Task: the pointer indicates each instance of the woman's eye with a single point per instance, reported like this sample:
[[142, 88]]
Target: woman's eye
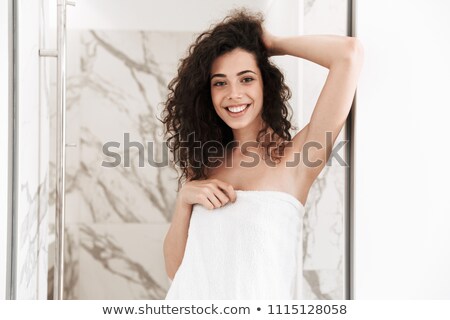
[[219, 84], [247, 79]]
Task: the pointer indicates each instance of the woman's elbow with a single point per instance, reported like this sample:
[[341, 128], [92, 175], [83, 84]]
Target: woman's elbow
[[355, 51]]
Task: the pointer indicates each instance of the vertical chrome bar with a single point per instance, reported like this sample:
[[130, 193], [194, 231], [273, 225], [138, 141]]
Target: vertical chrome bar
[[58, 288], [60, 53], [12, 74], [350, 235]]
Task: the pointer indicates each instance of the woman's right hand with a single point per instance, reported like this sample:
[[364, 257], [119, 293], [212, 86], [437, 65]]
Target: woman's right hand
[[211, 193]]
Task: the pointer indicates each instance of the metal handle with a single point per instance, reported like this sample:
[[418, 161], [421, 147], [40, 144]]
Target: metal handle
[[60, 54], [48, 53]]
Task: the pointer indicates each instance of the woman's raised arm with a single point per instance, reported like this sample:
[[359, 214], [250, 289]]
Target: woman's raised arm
[[343, 56]]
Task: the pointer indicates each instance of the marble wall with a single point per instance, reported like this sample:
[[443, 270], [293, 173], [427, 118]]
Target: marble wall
[[117, 217], [30, 233]]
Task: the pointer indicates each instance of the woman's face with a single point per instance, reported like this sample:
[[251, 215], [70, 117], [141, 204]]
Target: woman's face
[[237, 89]]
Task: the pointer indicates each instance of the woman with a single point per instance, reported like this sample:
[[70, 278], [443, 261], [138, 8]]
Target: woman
[[242, 199]]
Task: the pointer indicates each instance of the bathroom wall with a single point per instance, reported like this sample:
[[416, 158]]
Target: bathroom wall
[[117, 217], [118, 68], [401, 204], [29, 259]]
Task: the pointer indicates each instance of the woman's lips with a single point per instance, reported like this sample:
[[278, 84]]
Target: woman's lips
[[238, 114]]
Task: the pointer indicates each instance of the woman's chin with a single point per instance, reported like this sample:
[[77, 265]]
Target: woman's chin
[[236, 125]]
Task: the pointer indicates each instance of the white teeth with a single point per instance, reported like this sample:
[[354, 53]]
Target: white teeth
[[237, 109]]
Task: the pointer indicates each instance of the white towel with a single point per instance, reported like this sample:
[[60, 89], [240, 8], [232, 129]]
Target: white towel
[[250, 249]]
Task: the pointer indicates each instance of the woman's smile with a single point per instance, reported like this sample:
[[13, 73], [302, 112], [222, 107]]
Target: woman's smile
[[237, 110]]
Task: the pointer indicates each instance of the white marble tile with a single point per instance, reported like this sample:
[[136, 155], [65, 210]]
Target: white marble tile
[[32, 172], [116, 81], [122, 75], [44, 145], [122, 261]]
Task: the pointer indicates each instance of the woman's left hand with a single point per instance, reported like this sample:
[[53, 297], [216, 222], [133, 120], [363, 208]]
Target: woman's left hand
[[269, 42]]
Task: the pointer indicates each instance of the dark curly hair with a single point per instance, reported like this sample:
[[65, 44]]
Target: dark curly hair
[[189, 111]]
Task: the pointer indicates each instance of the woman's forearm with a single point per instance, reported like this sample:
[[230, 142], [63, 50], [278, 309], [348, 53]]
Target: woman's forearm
[[324, 50], [176, 238]]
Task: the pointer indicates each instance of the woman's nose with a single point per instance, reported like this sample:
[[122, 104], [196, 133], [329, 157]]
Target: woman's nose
[[235, 92]]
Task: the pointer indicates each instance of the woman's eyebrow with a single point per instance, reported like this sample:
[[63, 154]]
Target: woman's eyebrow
[[224, 76]]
